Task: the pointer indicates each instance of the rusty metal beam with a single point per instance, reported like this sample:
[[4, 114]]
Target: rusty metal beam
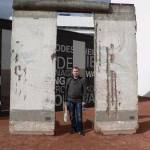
[[61, 5]]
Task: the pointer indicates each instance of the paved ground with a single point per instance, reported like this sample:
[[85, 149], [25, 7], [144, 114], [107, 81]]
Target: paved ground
[[91, 141]]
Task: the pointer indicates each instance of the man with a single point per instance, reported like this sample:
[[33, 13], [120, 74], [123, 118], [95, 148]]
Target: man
[[75, 96]]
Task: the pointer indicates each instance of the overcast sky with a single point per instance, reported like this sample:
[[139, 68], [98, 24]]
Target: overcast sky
[[5, 8], [143, 32]]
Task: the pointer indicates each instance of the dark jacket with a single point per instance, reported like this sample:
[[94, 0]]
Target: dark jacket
[[75, 89]]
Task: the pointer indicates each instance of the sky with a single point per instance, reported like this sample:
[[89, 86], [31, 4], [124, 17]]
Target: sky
[[143, 32], [5, 8]]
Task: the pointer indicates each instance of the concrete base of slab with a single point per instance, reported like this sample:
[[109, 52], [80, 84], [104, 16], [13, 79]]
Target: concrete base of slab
[[116, 132], [32, 128], [116, 127], [32, 133]]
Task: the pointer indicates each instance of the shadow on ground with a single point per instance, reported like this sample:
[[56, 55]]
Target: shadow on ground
[[63, 129]]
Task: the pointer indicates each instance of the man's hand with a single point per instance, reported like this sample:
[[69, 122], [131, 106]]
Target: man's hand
[[65, 112], [83, 104]]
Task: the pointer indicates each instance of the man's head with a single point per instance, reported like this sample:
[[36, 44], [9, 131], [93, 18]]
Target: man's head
[[75, 71]]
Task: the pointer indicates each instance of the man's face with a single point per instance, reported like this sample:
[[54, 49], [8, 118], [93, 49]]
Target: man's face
[[75, 72]]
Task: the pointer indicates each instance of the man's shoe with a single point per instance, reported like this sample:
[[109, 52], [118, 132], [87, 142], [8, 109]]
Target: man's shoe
[[81, 133], [72, 131]]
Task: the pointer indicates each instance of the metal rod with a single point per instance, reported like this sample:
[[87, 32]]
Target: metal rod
[[112, 87], [108, 82], [61, 5], [116, 96], [99, 56]]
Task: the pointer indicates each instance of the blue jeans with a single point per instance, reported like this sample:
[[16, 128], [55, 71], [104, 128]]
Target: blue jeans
[[75, 112]]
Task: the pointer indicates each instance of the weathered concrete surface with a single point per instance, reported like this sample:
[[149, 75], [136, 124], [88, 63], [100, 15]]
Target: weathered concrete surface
[[62, 5], [32, 99], [116, 71]]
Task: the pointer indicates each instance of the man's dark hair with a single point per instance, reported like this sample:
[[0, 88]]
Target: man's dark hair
[[76, 67]]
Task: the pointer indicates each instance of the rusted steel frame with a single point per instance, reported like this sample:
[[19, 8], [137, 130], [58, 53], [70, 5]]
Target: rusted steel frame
[[112, 87], [116, 95], [99, 65], [108, 82]]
